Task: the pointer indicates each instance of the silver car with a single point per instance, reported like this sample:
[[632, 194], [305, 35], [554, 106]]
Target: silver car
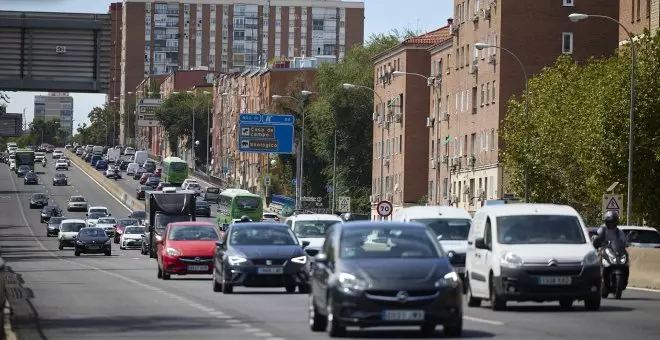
[[107, 224], [77, 203]]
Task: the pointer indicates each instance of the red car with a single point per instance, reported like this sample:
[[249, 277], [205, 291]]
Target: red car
[[121, 225], [141, 191], [158, 172], [145, 176], [186, 248]]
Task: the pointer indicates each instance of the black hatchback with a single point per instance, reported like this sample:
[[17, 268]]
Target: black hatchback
[[202, 208], [92, 240], [31, 178], [371, 274]]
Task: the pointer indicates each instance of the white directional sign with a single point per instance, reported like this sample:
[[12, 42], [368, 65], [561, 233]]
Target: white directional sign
[[612, 203], [344, 204], [384, 208]]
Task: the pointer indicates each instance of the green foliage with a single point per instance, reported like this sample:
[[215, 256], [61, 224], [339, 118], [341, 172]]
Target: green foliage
[[41, 131], [175, 115], [99, 131], [4, 100], [575, 140]]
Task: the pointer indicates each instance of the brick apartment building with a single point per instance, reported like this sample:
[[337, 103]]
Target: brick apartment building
[[400, 165], [160, 37], [249, 91], [638, 15]]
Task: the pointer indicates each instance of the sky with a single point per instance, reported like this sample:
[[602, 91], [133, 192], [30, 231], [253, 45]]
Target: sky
[[381, 16]]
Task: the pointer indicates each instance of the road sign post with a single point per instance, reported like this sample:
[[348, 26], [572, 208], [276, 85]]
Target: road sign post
[[266, 133], [344, 204], [612, 203], [384, 209]]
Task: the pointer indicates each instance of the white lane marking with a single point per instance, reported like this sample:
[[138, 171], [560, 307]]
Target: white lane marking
[[224, 317], [480, 320], [645, 289], [264, 334], [102, 187], [252, 330], [241, 325], [216, 313], [275, 339], [119, 276]]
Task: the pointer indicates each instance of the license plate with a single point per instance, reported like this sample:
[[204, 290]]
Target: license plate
[[270, 270], [403, 315], [94, 247], [555, 280], [198, 268], [460, 270]]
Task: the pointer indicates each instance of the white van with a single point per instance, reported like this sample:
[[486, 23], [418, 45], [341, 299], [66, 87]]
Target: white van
[[531, 252], [140, 157], [129, 151], [132, 168], [450, 224], [312, 228]]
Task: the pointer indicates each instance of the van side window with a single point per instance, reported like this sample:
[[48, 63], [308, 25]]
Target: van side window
[[488, 234]]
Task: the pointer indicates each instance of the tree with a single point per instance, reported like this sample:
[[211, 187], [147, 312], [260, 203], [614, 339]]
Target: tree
[[575, 140], [100, 130], [4, 100], [47, 131]]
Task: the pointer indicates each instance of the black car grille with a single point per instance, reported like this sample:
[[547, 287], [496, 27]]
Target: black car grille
[[393, 293], [312, 252], [202, 259], [262, 262], [554, 272]]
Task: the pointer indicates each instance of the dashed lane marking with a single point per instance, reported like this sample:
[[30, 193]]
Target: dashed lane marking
[[264, 334], [480, 320], [645, 289]]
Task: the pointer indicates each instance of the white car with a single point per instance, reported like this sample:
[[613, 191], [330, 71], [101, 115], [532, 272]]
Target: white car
[[76, 203], [132, 168], [98, 209], [66, 159], [61, 165], [270, 217], [94, 213], [69, 232], [312, 228], [131, 237], [531, 253], [12, 164], [193, 186], [186, 182], [107, 224], [57, 154], [641, 237]]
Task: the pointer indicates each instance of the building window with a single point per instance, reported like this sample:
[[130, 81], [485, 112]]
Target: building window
[[567, 43], [639, 10], [474, 100], [492, 139], [492, 97], [568, 3], [473, 144], [483, 93], [487, 93]]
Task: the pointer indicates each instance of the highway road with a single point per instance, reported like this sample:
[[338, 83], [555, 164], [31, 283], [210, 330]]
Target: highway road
[[120, 297]]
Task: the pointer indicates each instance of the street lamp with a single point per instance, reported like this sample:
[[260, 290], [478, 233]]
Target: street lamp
[[382, 138], [575, 17], [208, 131], [192, 145], [481, 46], [300, 170], [134, 118]]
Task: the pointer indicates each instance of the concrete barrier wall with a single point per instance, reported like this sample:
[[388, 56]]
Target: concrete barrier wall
[[645, 267], [108, 184]]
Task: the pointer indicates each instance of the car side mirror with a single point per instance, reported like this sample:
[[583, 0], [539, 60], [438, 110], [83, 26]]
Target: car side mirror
[[109, 214], [321, 258], [481, 244], [305, 244], [86, 214]]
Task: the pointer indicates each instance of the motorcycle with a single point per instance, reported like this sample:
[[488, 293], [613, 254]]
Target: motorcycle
[[616, 269]]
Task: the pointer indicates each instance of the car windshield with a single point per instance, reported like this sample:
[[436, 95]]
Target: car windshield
[[72, 227], [60, 175], [387, 243], [77, 199], [212, 190], [107, 220], [539, 229], [202, 204], [139, 214], [643, 236], [49, 208], [98, 210], [94, 216], [262, 236], [56, 220], [193, 233], [92, 232], [134, 230], [31, 175], [447, 229], [23, 168], [311, 229], [128, 221], [39, 196]]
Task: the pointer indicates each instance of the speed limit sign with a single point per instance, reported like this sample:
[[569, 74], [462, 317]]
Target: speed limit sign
[[384, 208]]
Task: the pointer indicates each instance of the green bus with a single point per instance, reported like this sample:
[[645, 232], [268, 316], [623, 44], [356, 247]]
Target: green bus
[[25, 157], [175, 170], [236, 203]]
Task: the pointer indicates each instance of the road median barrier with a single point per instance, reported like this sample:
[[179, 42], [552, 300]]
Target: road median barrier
[[644, 267], [110, 185]]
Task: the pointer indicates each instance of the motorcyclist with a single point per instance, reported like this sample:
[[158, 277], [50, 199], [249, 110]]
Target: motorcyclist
[[609, 231], [55, 212]]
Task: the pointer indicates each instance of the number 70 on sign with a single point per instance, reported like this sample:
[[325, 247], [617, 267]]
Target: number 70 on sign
[[384, 208]]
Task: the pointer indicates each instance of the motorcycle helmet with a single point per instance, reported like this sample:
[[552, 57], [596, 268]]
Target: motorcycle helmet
[[611, 219], [245, 219]]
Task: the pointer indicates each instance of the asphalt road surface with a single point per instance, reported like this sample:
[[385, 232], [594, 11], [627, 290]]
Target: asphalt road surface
[[118, 297]]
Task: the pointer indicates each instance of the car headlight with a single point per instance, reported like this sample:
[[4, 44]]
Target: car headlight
[[236, 260], [300, 259], [610, 255], [108, 241], [172, 252], [79, 242], [450, 279], [623, 259], [510, 260], [351, 284], [590, 259]]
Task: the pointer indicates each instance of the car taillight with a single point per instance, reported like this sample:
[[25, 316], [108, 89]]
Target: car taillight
[[277, 219]]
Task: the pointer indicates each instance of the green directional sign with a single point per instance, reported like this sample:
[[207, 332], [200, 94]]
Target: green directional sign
[[287, 211]]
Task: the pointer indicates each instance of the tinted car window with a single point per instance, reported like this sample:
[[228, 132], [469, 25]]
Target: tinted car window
[[311, 229], [387, 243], [539, 229], [77, 199], [134, 230], [94, 216], [643, 236], [261, 236], [448, 229], [93, 232], [139, 214], [72, 227], [128, 221], [193, 233], [56, 220]]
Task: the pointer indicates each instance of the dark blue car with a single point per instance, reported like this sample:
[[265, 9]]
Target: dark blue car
[[95, 159], [101, 165]]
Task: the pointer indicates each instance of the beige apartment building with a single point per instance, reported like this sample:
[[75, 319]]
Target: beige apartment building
[[400, 137], [160, 37], [467, 107], [638, 15]]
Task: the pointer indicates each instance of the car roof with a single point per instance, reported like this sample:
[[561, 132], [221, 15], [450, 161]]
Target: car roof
[[76, 196], [97, 207], [431, 211], [315, 217], [259, 225], [634, 227], [381, 224], [519, 209], [73, 220], [191, 223]]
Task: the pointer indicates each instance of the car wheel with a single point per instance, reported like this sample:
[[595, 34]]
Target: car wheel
[[122, 247], [471, 300], [160, 273], [227, 288], [217, 287], [290, 289], [427, 329], [317, 322], [108, 253], [454, 329], [592, 303], [304, 288], [496, 302], [76, 252], [166, 275], [335, 329], [566, 304], [60, 246]]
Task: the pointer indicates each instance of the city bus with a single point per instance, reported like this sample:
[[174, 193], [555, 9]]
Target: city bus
[[175, 171], [236, 203], [25, 157]]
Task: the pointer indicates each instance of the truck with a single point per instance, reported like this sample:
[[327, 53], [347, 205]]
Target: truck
[[163, 208], [113, 155]]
